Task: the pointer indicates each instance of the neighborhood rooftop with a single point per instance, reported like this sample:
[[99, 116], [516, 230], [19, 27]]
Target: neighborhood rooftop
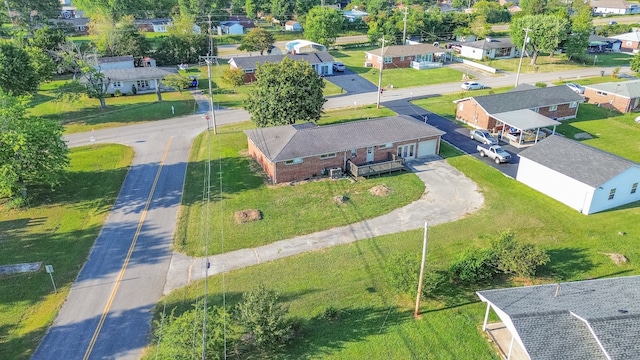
[[628, 89], [250, 62], [407, 50], [527, 99], [490, 43], [592, 319], [114, 59], [582, 162], [295, 141]]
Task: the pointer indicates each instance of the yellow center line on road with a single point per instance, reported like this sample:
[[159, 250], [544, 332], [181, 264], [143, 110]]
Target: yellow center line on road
[[105, 312]]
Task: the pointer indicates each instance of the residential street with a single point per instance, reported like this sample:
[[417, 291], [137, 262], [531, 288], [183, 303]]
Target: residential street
[[108, 311]]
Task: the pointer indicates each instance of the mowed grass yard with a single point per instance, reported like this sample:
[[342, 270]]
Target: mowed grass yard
[[57, 228], [237, 185]]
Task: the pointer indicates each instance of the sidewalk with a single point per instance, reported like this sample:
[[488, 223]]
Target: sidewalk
[[449, 195]]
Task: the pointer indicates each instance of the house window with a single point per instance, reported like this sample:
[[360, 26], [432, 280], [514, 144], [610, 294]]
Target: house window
[[388, 60], [293, 161], [553, 107], [612, 193], [573, 105], [629, 43], [328, 156], [634, 187], [601, 93], [248, 71], [536, 109], [460, 106], [142, 84], [385, 146], [401, 58], [354, 153], [117, 84]]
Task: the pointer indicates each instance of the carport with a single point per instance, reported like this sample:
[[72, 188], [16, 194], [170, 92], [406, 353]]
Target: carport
[[518, 122]]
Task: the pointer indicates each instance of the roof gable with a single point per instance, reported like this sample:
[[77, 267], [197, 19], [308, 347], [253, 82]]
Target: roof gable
[[632, 36], [527, 99], [628, 89], [577, 160], [287, 142]]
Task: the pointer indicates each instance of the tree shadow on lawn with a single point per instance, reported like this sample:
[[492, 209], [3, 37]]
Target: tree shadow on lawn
[[15, 228], [39, 99], [325, 335], [567, 263]]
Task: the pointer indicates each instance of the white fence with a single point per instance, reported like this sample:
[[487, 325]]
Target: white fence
[[419, 65], [475, 65]]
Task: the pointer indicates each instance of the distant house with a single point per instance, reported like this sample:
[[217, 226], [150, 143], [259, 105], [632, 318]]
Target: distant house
[[622, 96], [580, 176], [236, 25], [630, 41], [292, 25], [524, 108], [79, 25], [403, 56], [322, 63], [492, 48], [160, 25], [613, 7], [126, 78], [600, 44], [300, 46], [581, 320], [301, 151], [355, 14]]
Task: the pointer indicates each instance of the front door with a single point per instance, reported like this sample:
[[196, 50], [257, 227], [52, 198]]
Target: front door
[[407, 151], [370, 154]]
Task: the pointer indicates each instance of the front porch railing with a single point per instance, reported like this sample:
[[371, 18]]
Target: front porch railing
[[370, 169]]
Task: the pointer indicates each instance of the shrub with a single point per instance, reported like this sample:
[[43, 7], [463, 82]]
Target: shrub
[[517, 258], [615, 72], [134, 90], [402, 272], [264, 320], [117, 93], [541, 84], [474, 266]]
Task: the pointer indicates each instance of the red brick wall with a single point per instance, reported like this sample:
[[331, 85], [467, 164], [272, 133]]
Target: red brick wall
[[313, 165], [249, 78], [473, 114], [628, 48], [564, 111], [395, 62], [619, 103]]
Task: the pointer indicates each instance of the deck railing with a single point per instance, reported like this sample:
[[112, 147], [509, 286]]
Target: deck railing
[[365, 170]]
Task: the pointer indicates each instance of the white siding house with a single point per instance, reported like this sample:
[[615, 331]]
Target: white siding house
[[498, 48], [580, 176], [292, 25]]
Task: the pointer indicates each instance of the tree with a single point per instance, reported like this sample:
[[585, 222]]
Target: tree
[[30, 13], [635, 63], [480, 27], [581, 28], [95, 85], [545, 35], [282, 9], [18, 76], [492, 11], [516, 258], [49, 39], [257, 39], [41, 63], [264, 319], [233, 77], [176, 82], [323, 25], [250, 9], [183, 48], [284, 93], [118, 39], [32, 151]]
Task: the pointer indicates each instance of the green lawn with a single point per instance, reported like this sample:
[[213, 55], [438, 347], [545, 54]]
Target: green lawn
[[374, 320], [85, 114], [545, 63], [244, 189], [57, 228], [398, 78]]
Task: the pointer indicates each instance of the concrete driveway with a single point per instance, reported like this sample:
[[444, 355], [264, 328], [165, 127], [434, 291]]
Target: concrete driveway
[[351, 82]]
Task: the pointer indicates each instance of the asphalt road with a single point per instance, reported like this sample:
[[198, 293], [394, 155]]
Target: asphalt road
[[107, 313]]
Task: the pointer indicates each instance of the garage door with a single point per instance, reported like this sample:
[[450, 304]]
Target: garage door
[[426, 148]]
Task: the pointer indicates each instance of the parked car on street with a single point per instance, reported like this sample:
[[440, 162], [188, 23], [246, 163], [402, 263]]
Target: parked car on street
[[483, 136], [579, 89], [471, 85], [494, 152], [338, 66]]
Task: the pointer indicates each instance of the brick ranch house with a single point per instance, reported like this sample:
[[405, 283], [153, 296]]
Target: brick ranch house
[[622, 96], [321, 61], [398, 56], [483, 112], [301, 151]]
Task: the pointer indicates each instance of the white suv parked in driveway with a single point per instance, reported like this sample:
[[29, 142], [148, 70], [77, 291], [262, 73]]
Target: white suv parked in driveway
[[338, 66]]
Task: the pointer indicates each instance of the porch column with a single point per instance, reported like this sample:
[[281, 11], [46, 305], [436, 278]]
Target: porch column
[[486, 317], [510, 347]]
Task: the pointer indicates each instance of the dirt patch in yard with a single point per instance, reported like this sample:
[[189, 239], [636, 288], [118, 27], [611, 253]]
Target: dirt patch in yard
[[618, 259], [380, 190], [245, 216]]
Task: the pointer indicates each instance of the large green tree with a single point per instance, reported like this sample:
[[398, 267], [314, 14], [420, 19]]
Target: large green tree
[[94, 85], [546, 33], [118, 38], [32, 151], [284, 93], [581, 28], [17, 73], [323, 25], [257, 39], [29, 13]]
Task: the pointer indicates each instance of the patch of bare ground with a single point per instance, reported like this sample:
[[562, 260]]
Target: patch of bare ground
[[617, 259], [245, 216], [380, 190]]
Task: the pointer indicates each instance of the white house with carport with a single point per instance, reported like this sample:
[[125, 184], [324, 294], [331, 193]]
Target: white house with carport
[[322, 63], [582, 177], [582, 320], [492, 48]]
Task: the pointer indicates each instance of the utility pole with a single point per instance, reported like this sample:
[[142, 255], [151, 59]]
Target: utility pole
[[524, 44], [380, 75], [404, 30], [416, 313], [213, 114]]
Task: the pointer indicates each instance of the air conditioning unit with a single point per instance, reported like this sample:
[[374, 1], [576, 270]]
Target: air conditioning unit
[[335, 173]]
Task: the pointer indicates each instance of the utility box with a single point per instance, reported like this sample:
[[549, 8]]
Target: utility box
[[335, 173]]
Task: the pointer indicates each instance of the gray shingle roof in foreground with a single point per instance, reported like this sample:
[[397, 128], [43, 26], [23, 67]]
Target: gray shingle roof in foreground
[[628, 89], [579, 161], [298, 141], [527, 99], [575, 320], [139, 73]]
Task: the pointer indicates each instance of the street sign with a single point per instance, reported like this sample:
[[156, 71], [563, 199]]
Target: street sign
[[208, 117], [48, 268]]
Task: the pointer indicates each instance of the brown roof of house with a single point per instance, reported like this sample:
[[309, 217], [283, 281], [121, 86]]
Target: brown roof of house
[[408, 50]]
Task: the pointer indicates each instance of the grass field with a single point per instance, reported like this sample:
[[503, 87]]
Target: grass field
[[85, 114], [57, 228], [545, 63], [242, 188]]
